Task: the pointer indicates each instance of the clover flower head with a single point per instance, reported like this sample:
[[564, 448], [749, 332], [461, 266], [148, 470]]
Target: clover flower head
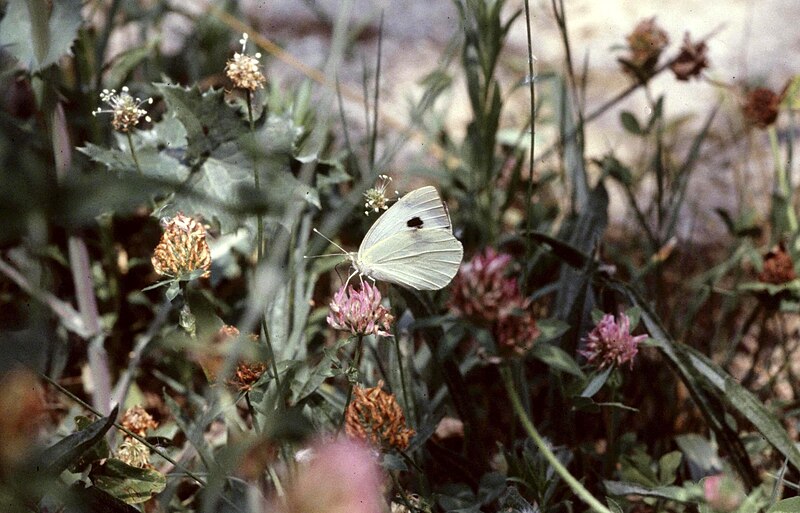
[[125, 109], [761, 107], [134, 453], [376, 199], [245, 70], [691, 61], [723, 493], [375, 416], [360, 311], [645, 45], [137, 420], [183, 249], [611, 343], [515, 329], [482, 288]]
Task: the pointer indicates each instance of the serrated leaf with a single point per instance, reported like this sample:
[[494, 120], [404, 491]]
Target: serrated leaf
[[127, 483], [58, 457], [37, 34], [208, 120]]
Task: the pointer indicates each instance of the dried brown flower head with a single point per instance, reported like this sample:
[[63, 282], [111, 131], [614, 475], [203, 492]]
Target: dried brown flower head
[[645, 45], [691, 61], [182, 250], [134, 453], [125, 109], [244, 70], [137, 420], [246, 375], [761, 107], [778, 267], [375, 416]]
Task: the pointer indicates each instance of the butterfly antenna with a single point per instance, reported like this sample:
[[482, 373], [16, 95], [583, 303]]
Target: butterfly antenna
[[329, 240]]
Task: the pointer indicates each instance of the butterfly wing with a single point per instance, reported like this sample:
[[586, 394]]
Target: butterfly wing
[[420, 209], [423, 259]]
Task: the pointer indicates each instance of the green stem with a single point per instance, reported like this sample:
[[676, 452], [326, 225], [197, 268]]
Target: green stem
[[573, 483], [357, 362], [407, 403], [133, 153], [256, 180], [252, 411], [529, 197], [273, 361]]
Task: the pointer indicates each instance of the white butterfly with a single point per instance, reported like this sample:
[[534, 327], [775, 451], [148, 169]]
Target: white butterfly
[[411, 244]]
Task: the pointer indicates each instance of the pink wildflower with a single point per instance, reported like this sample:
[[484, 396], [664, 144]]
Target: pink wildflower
[[722, 493], [611, 343], [515, 330], [360, 311], [481, 289], [342, 476]]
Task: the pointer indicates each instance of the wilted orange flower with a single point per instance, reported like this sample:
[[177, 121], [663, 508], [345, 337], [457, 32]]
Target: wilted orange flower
[[761, 107], [691, 61], [246, 375], [244, 70], [778, 267], [374, 416], [183, 249], [137, 420]]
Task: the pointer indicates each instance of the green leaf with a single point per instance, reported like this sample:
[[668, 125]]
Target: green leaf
[[208, 120], [668, 467], [701, 455], [126, 62], [791, 505], [596, 383], [127, 483], [91, 499], [58, 457], [630, 123], [556, 358], [35, 39], [675, 493], [550, 329], [98, 451]]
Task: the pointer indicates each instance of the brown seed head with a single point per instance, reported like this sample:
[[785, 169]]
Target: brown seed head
[[183, 249], [134, 453], [645, 45], [375, 416], [126, 110]]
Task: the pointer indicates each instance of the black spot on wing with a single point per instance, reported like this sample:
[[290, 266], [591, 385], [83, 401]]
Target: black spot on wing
[[414, 222]]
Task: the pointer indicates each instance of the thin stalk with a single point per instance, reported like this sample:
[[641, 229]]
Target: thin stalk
[[532, 93], [402, 375], [272, 359], [252, 411], [357, 361], [375, 100], [133, 153], [256, 181], [573, 483]]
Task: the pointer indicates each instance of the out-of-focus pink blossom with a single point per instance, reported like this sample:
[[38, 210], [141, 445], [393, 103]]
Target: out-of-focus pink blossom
[[360, 311], [611, 343], [482, 289], [515, 330], [341, 476], [722, 493]]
